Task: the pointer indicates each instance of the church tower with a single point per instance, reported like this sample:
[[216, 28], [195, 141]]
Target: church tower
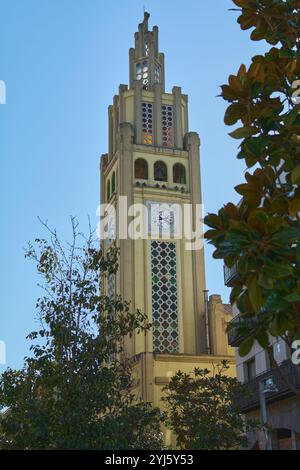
[[153, 160]]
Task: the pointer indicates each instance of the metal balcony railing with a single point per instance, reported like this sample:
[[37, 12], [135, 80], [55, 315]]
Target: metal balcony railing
[[230, 274], [239, 329], [250, 400]]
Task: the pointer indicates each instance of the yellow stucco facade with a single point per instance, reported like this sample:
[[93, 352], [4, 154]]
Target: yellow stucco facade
[[154, 158]]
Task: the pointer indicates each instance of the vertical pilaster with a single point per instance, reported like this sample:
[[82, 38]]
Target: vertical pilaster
[[116, 123], [136, 45], [126, 269], [138, 111], [140, 41], [131, 67], [178, 135], [122, 90], [161, 57], [192, 143], [151, 64], [157, 119], [146, 376], [186, 115], [103, 164], [155, 40], [110, 132]]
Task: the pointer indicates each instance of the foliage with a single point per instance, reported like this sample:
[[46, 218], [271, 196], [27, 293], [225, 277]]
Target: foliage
[[201, 410], [74, 391], [261, 234]]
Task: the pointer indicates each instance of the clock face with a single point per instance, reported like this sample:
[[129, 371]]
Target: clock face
[[163, 219]]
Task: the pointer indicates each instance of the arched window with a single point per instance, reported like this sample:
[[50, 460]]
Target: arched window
[[141, 169], [108, 190], [113, 183], [160, 171], [179, 174]]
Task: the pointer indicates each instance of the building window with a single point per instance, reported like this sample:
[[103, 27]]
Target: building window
[[167, 126], [111, 287], [113, 183], [164, 297], [160, 171], [157, 73], [108, 190], [250, 370], [142, 73], [146, 46], [141, 169], [147, 120], [179, 174]]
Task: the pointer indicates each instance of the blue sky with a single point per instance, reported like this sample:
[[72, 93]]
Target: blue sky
[[62, 62]]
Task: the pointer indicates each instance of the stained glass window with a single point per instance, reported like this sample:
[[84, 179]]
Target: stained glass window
[[142, 73], [147, 120], [167, 126], [164, 297]]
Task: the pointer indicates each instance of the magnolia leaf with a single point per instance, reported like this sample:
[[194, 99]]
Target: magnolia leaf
[[286, 235], [293, 298], [255, 292], [298, 254], [243, 132], [296, 175], [233, 114], [246, 346], [263, 339], [294, 206]]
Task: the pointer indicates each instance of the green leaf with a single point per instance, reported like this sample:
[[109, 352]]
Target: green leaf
[[293, 298], [265, 281], [298, 254], [255, 293], [280, 325], [286, 235], [233, 114], [278, 270], [243, 132], [296, 175], [246, 346], [263, 339], [291, 117]]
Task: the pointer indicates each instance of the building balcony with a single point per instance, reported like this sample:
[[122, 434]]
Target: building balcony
[[239, 329], [230, 275], [251, 400]]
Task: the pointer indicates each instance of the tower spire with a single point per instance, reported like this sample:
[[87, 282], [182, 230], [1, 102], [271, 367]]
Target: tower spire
[[146, 62]]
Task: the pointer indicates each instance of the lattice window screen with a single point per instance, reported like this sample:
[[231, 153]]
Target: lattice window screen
[[167, 126], [147, 120], [164, 297]]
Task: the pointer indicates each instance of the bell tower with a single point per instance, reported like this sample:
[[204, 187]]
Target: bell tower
[[153, 161], [145, 61]]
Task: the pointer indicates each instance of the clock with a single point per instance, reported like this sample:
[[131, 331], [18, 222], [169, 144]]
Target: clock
[[163, 219]]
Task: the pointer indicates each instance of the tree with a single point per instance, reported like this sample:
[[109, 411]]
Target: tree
[[261, 234], [202, 410], [75, 389]]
